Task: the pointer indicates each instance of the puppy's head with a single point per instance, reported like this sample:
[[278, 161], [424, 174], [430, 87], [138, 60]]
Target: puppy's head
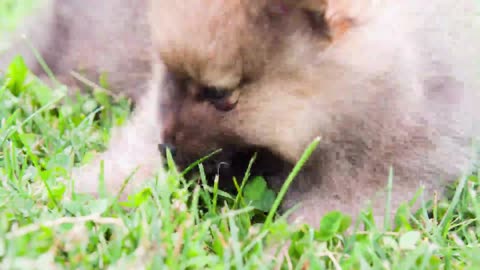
[[242, 76]]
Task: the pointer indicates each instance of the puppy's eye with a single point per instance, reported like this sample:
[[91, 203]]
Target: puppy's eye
[[222, 99]]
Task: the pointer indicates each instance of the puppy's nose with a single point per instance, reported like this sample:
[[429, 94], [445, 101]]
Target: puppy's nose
[[163, 149]]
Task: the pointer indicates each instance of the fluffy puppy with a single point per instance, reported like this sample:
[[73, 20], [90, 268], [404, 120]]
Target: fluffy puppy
[[385, 84]]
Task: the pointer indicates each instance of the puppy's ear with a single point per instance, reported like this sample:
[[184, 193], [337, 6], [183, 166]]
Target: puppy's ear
[[334, 17]]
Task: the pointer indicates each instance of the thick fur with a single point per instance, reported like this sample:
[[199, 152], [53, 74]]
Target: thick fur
[[383, 83], [89, 37]]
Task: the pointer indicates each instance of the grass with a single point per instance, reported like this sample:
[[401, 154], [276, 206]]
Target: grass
[[175, 223]]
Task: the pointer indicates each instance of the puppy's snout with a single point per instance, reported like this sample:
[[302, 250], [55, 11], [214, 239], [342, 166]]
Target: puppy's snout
[[169, 136], [163, 149]]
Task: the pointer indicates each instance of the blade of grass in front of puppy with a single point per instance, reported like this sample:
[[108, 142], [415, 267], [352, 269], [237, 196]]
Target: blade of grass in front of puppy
[[386, 221], [448, 217], [170, 162], [205, 195], [123, 186], [41, 61], [303, 159], [189, 168], [215, 193], [244, 180]]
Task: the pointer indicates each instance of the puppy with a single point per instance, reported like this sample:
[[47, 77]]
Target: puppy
[[384, 84], [92, 38]]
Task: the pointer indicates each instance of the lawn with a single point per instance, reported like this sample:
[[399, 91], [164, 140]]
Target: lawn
[[178, 223]]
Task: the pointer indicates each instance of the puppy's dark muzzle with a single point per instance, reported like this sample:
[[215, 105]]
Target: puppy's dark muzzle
[[163, 149]]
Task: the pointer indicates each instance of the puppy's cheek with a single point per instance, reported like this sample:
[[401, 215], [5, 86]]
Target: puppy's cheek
[[287, 141]]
